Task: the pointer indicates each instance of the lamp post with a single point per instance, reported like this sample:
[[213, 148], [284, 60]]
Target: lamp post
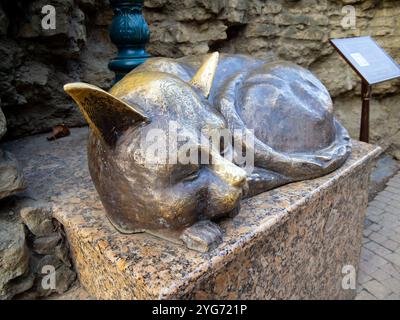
[[130, 33]]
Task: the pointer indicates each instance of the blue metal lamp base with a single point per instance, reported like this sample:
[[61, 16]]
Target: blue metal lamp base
[[130, 33]]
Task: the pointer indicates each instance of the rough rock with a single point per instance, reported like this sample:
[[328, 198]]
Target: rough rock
[[384, 118], [11, 177], [14, 258], [19, 285], [3, 124], [64, 276], [46, 244], [38, 219], [48, 237], [3, 22], [31, 238], [61, 251]]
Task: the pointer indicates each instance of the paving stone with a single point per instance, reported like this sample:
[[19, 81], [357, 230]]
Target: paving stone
[[377, 261], [396, 228], [390, 244], [393, 296], [395, 237], [391, 269], [386, 224], [393, 190], [383, 198], [390, 195], [378, 249], [364, 277], [359, 289], [394, 180], [393, 210], [394, 203], [365, 295], [376, 211], [393, 284], [375, 218], [394, 196], [374, 227], [367, 232], [378, 204], [379, 272], [380, 275], [392, 213], [394, 257], [377, 289], [367, 267], [377, 237], [389, 216], [366, 254], [394, 183], [367, 223], [387, 232]]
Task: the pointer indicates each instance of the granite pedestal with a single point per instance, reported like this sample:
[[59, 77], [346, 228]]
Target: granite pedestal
[[288, 243]]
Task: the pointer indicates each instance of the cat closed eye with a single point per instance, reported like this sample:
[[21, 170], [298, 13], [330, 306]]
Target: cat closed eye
[[193, 176]]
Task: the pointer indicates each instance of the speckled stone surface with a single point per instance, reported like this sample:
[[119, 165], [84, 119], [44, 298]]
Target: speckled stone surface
[[288, 243]]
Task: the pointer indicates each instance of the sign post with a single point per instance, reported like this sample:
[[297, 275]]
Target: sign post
[[366, 97], [372, 64]]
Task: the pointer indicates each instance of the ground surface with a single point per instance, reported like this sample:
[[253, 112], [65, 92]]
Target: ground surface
[[379, 275]]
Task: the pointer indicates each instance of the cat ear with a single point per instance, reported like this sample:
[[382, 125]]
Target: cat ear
[[107, 115], [204, 77]]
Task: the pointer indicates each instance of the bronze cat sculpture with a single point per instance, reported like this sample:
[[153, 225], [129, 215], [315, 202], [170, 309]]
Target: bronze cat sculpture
[[283, 108]]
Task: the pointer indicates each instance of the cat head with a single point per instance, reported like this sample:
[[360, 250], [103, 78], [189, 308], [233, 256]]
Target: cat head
[[145, 135]]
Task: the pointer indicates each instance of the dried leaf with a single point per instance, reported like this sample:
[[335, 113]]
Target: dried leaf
[[59, 131]]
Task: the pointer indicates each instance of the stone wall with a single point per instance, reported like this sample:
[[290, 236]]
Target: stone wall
[[35, 63], [12, 180]]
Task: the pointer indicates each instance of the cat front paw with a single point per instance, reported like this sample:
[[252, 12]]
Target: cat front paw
[[202, 236]]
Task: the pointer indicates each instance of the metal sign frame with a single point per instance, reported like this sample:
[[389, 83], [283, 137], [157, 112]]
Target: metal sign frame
[[359, 64]]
